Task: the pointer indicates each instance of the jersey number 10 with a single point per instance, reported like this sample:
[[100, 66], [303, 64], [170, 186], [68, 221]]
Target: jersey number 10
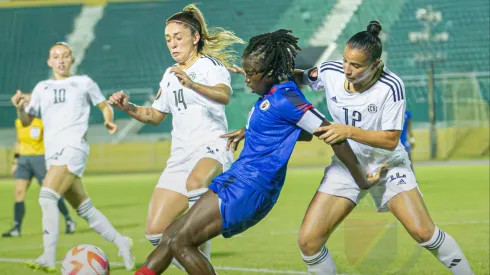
[[59, 95], [179, 98]]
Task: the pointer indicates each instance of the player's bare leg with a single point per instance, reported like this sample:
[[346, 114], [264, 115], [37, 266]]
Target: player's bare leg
[[201, 223], [165, 207], [409, 208], [324, 214], [79, 199], [197, 184], [21, 186], [58, 179]]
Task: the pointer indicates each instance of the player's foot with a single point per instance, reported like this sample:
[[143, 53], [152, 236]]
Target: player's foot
[[14, 232], [41, 264], [69, 226], [124, 246]]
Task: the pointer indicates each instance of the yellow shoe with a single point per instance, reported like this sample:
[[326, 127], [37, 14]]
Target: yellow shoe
[[40, 264]]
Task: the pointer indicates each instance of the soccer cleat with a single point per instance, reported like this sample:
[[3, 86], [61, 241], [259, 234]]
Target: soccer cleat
[[14, 232], [69, 226], [125, 253], [41, 264]]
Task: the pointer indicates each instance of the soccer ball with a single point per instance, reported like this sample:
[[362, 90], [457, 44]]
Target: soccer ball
[[85, 259]]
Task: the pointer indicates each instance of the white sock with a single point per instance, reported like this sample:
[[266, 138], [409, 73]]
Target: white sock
[[154, 239], [320, 263], [445, 248], [193, 196], [98, 222], [48, 200]]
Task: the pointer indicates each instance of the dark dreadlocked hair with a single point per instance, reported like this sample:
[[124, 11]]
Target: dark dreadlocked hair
[[274, 52]]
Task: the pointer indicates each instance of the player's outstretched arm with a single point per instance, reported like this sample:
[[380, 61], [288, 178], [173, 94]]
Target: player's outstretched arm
[[234, 139], [108, 115], [19, 101], [144, 114]]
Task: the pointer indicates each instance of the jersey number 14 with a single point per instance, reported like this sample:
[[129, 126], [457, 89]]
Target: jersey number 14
[[179, 98]]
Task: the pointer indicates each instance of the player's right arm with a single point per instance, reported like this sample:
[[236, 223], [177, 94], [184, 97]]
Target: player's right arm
[[19, 101], [144, 114]]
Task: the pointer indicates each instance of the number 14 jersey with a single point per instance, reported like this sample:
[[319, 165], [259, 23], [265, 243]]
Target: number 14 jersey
[[196, 119]]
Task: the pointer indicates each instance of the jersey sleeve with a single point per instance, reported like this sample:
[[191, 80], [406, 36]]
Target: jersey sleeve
[[219, 75], [94, 93], [296, 109], [314, 84], [409, 115], [393, 113], [34, 107], [161, 103]]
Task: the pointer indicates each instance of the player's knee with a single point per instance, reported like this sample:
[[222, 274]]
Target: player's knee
[[86, 209], [309, 245], [422, 234], [48, 197], [20, 193]]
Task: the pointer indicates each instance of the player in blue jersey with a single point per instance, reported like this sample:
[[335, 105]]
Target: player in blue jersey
[[407, 138], [244, 195]]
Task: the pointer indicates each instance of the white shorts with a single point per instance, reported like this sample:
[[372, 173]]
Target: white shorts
[[338, 181], [179, 166], [74, 159]]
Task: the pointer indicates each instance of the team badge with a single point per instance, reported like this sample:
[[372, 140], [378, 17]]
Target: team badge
[[372, 108], [74, 84], [192, 75], [264, 106]]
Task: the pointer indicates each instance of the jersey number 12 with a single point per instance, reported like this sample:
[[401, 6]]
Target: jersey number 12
[[356, 116]]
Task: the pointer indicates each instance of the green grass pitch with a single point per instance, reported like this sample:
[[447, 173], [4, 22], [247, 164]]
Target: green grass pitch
[[367, 242]]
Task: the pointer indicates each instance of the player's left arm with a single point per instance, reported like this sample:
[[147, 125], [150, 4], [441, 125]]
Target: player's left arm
[[97, 98], [218, 91], [108, 114], [411, 136]]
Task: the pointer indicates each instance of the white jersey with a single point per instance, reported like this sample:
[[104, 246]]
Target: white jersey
[[64, 107], [196, 119], [381, 107]]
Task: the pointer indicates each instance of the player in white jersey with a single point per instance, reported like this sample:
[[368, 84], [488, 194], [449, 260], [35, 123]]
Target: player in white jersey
[[367, 102], [195, 91], [63, 102]]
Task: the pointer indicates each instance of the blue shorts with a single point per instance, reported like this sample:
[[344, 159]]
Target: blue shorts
[[241, 205]]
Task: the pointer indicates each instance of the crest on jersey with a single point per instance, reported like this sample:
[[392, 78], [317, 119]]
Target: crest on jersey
[[264, 106], [74, 84], [372, 108], [192, 75]]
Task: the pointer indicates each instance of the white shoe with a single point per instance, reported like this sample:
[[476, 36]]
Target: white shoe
[[125, 252], [41, 263]]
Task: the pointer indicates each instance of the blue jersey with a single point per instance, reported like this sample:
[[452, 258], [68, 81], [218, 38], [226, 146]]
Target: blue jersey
[[404, 135], [270, 136]]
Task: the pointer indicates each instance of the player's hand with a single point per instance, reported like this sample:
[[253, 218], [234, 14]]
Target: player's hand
[[120, 101], [14, 167], [334, 133], [373, 178], [111, 126], [236, 69], [18, 99], [313, 73], [183, 78], [411, 140], [234, 139]]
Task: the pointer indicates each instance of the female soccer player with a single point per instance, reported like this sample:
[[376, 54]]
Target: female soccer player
[[63, 103], [244, 195], [195, 91], [368, 103], [29, 163]]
